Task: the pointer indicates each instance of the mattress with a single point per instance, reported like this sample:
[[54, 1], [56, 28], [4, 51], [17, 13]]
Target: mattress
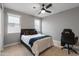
[[26, 38], [39, 45]]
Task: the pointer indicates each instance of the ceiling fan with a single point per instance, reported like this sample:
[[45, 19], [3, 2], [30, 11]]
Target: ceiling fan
[[44, 8]]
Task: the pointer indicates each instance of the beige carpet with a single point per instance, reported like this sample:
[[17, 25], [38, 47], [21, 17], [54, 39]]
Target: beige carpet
[[54, 51], [16, 50], [20, 50]]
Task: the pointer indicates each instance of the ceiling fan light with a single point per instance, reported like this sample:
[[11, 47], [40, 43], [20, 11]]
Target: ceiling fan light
[[43, 11]]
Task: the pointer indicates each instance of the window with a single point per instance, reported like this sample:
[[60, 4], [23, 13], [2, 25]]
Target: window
[[13, 23], [37, 24]]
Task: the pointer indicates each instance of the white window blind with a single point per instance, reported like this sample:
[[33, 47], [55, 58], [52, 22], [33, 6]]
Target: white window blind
[[37, 24], [13, 23]]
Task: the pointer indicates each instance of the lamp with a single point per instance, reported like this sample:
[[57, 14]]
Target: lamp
[[43, 11]]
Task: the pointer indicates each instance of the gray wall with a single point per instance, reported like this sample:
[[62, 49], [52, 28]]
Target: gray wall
[[27, 21], [1, 38], [1, 26], [54, 24]]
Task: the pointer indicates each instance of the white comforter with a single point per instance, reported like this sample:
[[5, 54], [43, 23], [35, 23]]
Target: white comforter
[[39, 45], [26, 38]]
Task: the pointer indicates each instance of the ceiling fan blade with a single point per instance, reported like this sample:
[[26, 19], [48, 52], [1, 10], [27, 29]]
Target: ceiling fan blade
[[43, 5], [48, 11], [48, 6]]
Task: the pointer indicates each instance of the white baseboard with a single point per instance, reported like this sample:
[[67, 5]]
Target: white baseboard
[[11, 44], [57, 43]]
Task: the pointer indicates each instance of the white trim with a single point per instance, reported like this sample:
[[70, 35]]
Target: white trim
[[14, 15], [57, 43], [11, 44]]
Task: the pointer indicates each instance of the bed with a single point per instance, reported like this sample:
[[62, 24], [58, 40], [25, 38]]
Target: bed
[[35, 42]]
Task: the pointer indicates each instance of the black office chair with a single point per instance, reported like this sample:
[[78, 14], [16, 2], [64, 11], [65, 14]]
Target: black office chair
[[68, 38]]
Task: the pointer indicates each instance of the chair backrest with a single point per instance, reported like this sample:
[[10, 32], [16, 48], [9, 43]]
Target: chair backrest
[[68, 36]]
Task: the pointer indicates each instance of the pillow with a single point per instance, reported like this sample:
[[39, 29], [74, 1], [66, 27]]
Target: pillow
[[26, 33], [32, 32]]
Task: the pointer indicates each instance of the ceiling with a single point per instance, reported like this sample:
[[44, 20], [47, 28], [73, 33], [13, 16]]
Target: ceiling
[[28, 8]]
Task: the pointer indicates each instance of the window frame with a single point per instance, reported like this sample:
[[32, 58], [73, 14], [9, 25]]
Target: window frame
[[14, 15], [39, 30]]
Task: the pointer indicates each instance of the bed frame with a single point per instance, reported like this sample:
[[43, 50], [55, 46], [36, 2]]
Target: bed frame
[[28, 32]]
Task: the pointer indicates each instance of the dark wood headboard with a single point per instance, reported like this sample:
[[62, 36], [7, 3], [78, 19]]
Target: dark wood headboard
[[28, 31]]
